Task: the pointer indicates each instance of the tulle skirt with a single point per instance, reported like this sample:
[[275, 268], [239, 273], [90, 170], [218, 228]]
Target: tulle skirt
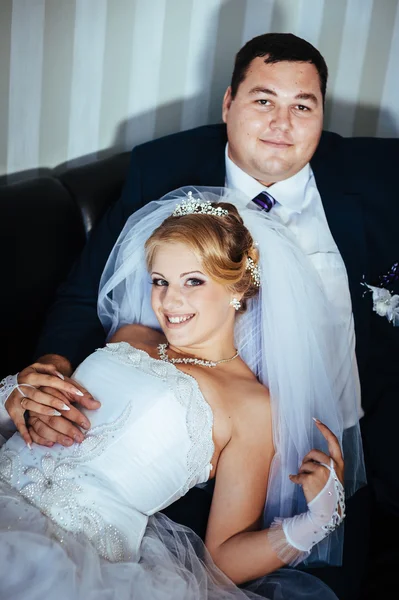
[[39, 560]]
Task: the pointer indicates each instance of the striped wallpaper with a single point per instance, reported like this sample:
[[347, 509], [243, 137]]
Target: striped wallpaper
[[83, 78]]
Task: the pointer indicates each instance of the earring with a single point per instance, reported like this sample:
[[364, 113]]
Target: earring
[[236, 303]]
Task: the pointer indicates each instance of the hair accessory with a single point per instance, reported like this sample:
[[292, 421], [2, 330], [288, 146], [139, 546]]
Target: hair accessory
[[255, 271], [236, 303], [162, 348], [192, 206]]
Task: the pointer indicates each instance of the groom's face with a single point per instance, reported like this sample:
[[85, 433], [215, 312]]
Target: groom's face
[[275, 120]]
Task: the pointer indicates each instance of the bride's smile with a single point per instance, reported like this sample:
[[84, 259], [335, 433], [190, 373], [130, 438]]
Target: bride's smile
[[178, 319]]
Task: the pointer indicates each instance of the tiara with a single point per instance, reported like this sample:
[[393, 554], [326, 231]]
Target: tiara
[[192, 206]]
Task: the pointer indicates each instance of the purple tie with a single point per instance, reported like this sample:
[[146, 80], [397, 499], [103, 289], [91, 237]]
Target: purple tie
[[264, 200]]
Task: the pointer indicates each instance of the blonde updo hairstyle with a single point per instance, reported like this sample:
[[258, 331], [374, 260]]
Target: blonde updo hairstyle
[[222, 245]]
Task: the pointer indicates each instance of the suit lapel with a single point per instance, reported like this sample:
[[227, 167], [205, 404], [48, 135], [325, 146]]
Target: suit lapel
[[342, 204], [214, 174], [213, 168]]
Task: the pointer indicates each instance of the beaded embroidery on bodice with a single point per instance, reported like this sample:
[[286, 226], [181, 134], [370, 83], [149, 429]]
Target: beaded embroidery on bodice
[[150, 442], [199, 418]]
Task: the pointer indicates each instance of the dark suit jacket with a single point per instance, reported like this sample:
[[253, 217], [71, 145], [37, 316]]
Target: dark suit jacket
[[356, 178]]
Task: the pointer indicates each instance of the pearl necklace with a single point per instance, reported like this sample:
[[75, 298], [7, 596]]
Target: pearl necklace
[[194, 361]]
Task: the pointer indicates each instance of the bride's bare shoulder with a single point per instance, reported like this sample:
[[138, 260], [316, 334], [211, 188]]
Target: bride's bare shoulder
[[137, 335]]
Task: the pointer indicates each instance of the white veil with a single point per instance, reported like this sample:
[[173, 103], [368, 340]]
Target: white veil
[[289, 336]]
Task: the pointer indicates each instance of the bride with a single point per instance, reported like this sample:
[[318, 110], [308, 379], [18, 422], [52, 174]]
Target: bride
[[221, 348]]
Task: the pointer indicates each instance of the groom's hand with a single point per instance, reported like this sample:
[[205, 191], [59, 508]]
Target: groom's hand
[[66, 429]]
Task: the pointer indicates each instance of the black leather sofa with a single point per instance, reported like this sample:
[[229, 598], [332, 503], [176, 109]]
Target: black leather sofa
[[44, 223]]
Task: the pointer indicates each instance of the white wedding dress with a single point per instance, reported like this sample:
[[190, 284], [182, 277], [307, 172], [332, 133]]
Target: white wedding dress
[[81, 523]]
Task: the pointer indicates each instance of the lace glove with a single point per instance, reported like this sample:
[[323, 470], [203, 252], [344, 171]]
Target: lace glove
[[293, 538], [7, 386]]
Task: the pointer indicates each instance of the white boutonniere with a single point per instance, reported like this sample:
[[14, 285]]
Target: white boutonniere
[[386, 303]]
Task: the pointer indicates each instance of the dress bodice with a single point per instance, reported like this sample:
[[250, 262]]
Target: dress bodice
[[149, 443]]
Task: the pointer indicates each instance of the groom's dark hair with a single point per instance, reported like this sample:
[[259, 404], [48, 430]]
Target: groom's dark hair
[[278, 47]]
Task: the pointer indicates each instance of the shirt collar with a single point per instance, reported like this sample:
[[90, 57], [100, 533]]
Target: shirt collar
[[290, 193]]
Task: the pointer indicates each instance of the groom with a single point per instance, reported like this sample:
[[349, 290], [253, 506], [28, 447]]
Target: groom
[[338, 197]]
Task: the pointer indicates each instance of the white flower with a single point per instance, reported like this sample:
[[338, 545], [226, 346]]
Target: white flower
[[49, 482], [385, 304]]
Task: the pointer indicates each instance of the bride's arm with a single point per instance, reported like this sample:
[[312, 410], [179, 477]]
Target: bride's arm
[[233, 538], [237, 546]]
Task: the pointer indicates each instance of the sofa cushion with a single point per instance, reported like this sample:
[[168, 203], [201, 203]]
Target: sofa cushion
[[96, 186]]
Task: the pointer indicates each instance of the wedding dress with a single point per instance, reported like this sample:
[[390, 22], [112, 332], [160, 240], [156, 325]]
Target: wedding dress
[[82, 522]]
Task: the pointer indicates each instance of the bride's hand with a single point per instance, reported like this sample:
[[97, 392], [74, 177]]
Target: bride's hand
[[64, 429], [47, 402], [312, 474]]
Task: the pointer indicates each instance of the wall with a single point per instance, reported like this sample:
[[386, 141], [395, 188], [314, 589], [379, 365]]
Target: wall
[[84, 78]]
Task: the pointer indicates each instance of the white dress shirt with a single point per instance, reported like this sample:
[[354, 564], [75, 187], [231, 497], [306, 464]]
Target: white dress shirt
[[299, 207]]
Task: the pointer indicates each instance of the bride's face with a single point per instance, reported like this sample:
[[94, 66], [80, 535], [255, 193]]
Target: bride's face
[[193, 310]]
